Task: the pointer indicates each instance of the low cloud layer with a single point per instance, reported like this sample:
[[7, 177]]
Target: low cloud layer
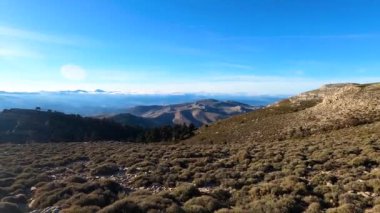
[[233, 85], [73, 72]]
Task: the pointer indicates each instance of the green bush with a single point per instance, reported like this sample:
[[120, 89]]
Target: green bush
[[106, 169], [207, 202], [270, 204], [313, 208], [362, 161], [5, 182], [221, 194], [93, 199], [185, 192], [121, 206], [345, 208], [196, 209], [76, 179], [9, 208], [17, 199], [81, 209], [174, 208]]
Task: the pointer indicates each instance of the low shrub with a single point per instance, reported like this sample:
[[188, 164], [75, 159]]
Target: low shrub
[[345, 208], [207, 202], [185, 192], [121, 206], [221, 194], [106, 169], [81, 209], [5, 182], [76, 179], [9, 208], [17, 199], [313, 208], [362, 161], [273, 205]]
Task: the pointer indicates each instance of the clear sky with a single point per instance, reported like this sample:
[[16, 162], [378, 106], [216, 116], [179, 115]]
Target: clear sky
[[188, 46]]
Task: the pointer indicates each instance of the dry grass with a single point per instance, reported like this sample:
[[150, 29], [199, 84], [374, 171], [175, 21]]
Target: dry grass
[[332, 171]]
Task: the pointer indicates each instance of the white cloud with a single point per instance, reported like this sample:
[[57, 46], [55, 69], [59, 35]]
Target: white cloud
[[30, 35], [231, 66], [42, 37], [17, 53], [73, 72], [231, 85], [322, 37], [298, 72]]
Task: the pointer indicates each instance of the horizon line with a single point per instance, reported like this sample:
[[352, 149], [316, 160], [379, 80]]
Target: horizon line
[[105, 92]]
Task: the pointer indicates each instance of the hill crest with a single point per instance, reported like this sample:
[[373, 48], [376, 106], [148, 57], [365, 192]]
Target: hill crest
[[328, 108]]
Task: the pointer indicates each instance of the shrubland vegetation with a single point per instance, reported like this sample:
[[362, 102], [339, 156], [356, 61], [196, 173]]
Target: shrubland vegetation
[[238, 165], [334, 172]]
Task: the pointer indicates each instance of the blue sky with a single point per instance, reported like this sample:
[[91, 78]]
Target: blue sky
[[194, 46]]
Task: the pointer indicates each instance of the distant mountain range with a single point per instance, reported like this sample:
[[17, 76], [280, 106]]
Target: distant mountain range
[[198, 113], [100, 102], [140, 123]]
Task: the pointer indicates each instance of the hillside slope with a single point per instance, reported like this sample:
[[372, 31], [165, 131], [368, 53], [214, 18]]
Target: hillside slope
[[21, 125], [329, 108], [198, 113], [132, 120]]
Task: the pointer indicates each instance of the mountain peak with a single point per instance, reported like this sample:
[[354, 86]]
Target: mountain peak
[[206, 101], [100, 91], [338, 85]]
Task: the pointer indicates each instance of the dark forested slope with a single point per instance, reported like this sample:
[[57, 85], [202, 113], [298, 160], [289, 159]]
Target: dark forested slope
[[20, 125]]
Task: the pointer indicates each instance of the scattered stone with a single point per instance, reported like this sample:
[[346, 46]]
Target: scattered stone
[[30, 205], [51, 209]]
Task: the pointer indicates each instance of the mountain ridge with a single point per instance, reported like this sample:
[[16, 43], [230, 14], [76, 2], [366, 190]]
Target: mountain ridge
[[201, 112], [104, 103]]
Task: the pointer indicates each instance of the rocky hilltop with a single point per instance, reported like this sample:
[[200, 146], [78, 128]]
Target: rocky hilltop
[[331, 107], [340, 105]]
